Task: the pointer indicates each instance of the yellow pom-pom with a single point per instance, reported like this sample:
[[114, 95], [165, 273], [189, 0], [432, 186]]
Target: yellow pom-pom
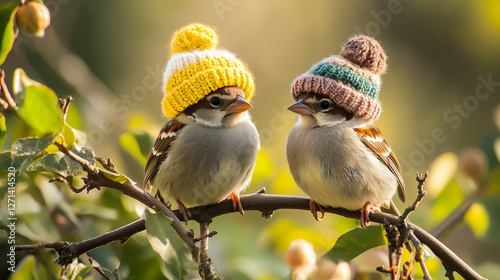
[[194, 37]]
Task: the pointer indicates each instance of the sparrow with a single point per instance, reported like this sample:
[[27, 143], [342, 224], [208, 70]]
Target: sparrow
[[204, 154], [341, 160]]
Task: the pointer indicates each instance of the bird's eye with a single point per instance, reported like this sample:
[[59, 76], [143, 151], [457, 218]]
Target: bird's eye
[[324, 104], [215, 101]]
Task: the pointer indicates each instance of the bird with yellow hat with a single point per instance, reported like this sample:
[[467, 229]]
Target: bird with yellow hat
[[208, 148]]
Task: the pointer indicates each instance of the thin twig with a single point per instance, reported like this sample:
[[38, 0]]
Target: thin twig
[[421, 193], [419, 255], [115, 273], [6, 96], [205, 264], [68, 180], [398, 235], [64, 105], [209, 235]]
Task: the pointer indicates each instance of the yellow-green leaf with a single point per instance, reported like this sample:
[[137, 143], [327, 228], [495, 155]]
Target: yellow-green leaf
[[39, 110], [52, 148], [119, 178], [38, 105], [478, 219], [68, 136], [7, 15], [24, 269], [3, 130]]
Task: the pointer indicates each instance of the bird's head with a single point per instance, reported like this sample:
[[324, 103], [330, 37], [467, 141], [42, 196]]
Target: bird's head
[[224, 107], [319, 110]]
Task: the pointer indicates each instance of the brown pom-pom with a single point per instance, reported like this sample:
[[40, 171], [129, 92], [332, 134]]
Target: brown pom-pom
[[365, 52]]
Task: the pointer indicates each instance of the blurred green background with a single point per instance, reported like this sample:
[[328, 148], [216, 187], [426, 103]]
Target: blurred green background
[[109, 56]]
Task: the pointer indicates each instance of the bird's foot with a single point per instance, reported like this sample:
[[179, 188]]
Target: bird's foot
[[235, 198], [365, 213], [183, 210], [314, 210]]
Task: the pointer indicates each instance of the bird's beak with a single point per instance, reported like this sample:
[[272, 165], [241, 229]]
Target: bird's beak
[[300, 108], [239, 106]]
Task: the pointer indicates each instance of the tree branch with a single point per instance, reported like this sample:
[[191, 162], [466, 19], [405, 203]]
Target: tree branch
[[268, 203], [97, 179], [68, 251]]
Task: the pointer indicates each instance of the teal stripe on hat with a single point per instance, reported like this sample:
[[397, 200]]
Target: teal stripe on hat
[[346, 76]]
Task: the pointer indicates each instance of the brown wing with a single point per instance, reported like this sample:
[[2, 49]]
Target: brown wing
[[373, 138], [160, 150]]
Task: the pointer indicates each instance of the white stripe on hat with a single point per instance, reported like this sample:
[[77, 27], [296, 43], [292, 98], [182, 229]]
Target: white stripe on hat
[[182, 60]]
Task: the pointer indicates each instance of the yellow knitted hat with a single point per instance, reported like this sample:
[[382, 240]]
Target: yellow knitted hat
[[196, 68]]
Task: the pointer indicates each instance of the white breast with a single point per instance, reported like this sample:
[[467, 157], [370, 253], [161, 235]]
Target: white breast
[[206, 164], [334, 167]]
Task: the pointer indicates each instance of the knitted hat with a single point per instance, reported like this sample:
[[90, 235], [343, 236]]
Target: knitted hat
[[352, 80], [196, 68]]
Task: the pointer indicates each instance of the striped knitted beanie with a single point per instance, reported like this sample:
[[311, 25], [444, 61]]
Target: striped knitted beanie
[[352, 80], [196, 69]]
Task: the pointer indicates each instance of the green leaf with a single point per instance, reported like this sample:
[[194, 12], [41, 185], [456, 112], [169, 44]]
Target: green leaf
[[119, 178], [69, 136], [26, 150], [7, 15], [356, 241], [165, 241], [39, 110], [37, 105], [24, 270], [62, 164], [3, 130]]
